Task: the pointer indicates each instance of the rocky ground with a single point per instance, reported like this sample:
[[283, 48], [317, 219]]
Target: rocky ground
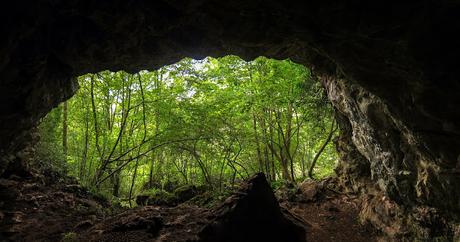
[[45, 207], [53, 208], [329, 215]]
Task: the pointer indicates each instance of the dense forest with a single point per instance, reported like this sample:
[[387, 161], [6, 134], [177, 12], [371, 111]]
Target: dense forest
[[207, 122]]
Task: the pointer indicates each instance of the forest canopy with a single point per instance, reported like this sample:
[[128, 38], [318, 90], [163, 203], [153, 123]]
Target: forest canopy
[[204, 122]]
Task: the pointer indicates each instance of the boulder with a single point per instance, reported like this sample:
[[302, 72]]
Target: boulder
[[252, 214], [158, 198]]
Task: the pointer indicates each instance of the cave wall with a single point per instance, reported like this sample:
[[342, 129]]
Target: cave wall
[[389, 67], [404, 192]]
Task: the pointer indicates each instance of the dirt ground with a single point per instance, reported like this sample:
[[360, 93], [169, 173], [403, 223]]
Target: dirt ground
[[333, 219], [42, 209], [45, 207]]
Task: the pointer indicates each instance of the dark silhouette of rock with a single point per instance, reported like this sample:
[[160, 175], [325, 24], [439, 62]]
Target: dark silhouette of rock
[[252, 214]]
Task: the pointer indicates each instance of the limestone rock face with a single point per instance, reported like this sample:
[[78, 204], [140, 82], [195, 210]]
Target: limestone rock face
[[389, 164], [390, 69]]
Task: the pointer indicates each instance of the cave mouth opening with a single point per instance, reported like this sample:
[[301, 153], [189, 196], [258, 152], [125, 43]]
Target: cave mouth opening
[[208, 122]]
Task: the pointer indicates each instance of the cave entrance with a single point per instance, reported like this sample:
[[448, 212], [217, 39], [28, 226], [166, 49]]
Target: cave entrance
[[208, 122]]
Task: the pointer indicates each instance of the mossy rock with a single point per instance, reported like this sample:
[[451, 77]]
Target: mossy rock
[[170, 186], [187, 192], [206, 199], [210, 198], [164, 198], [157, 198]]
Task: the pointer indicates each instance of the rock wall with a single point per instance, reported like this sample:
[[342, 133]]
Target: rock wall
[[390, 68], [404, 192]]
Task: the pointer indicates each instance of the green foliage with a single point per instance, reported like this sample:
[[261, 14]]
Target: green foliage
[[277, 184], [49, 149], [70, 237], [206, 122], [159, 197], [211, 198]]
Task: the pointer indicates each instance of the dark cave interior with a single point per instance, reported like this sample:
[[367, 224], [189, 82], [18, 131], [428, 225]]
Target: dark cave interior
[[389, 69]]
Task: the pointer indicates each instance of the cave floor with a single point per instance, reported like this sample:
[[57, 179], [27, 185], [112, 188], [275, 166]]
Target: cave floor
[[40, 209], [334, 218]]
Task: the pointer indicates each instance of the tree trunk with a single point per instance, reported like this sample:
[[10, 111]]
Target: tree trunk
[[256, 136], [96, 128], [133, 182], [271, 145], [323, 146], [64, 131], [82, 173], [283, 148]]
